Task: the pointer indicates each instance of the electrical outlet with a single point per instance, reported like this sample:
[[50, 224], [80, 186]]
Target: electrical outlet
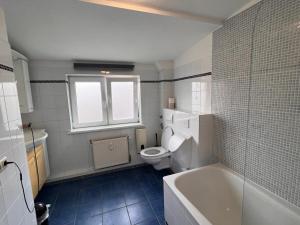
[[2, 166]]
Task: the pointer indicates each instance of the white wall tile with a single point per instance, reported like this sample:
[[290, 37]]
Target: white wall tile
[[10, 188], [195, 60], [10, 89], [2, 203], [4, 221], [15, 213], [12, 146], [1, 90], [12, 108], [12, 210], [3, 115]]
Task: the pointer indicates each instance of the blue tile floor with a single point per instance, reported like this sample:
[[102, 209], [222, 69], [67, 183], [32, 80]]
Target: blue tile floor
[[127, 197]]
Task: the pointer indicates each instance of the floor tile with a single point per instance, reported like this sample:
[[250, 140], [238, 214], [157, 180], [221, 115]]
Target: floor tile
[[112, 201], [86, 219], [47, 195], [153, 192], [83, 201], [62, 217], [112, 187], [134, 196], [116, 217], [89, 195], [158, 206], [149, 222], [161, 220], [97, 180], [149, 179], [91, 209], [66, 199], [140, 212], [69, 187]]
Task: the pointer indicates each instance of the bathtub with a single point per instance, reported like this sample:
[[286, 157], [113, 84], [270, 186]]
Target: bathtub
[[213, 195]]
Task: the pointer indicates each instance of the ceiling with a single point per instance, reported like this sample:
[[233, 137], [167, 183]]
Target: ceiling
[[71, 29], [212, 8]]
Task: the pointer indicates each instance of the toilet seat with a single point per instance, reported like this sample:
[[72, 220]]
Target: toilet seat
[[154, 152], [159, 157]]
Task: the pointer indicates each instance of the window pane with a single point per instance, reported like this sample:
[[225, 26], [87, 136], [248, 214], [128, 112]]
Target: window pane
[[122, 97], [89, 102]]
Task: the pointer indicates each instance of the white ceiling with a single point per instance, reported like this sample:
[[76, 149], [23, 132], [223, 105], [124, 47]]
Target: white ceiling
[[212, 8], [70, 29]]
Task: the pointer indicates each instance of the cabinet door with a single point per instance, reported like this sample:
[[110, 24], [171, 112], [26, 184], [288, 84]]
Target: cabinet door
[[33, 174], [23, 84], [41, 165]]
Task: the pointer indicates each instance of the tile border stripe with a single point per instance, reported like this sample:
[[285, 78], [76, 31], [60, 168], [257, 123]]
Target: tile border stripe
[[143, 81], [177, 79], [48, 81], [7, 68]]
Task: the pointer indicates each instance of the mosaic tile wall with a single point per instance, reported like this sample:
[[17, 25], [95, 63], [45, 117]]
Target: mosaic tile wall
[[256, 95]]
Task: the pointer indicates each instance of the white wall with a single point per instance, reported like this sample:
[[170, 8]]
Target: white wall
[[193, 95], [166, 72], [12, 207], [70, 155], [196, 60]]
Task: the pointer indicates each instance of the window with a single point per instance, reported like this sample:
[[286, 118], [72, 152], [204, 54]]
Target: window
[[201, 96], [103, 100]]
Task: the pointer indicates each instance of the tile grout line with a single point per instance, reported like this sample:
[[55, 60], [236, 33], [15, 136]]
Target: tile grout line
[[147, 199], [128, 216]]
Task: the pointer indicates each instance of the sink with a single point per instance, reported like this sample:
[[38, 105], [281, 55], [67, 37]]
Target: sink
[[40, 136]]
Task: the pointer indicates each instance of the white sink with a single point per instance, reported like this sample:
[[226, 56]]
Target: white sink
[[40, 136]]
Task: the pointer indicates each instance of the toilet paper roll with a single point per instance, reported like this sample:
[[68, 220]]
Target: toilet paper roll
[[141, 139]]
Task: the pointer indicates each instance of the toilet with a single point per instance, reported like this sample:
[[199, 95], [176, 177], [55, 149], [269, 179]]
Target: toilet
[[159, 157]]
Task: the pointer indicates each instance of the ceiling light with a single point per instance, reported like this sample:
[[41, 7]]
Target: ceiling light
[[105, 72]]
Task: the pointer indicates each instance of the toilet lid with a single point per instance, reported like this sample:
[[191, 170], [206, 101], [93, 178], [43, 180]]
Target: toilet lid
[[165, 137], [175, 142]]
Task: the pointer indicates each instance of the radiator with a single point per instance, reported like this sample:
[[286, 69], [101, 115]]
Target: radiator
[[110, 152]]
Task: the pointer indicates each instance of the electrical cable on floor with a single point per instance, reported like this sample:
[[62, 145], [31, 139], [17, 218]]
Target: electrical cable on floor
[[22, 185]]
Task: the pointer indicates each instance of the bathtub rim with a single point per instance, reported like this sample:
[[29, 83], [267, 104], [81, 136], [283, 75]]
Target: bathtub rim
[[198, 216]]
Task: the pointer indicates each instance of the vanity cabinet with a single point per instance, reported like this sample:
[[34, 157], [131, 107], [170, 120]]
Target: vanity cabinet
[[33, 173], [41, 165], [33, 164]]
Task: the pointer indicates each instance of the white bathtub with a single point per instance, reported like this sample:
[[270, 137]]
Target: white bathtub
[[213, 195]]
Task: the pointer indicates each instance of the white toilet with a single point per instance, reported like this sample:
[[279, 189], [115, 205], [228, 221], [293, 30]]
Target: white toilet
[[159, 157]]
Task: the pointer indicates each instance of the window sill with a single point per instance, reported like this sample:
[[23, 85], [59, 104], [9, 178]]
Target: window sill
[[104, 128]]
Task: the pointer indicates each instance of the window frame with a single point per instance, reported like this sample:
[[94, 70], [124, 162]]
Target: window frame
[[72, 99], [105, 81], [135, 119]]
